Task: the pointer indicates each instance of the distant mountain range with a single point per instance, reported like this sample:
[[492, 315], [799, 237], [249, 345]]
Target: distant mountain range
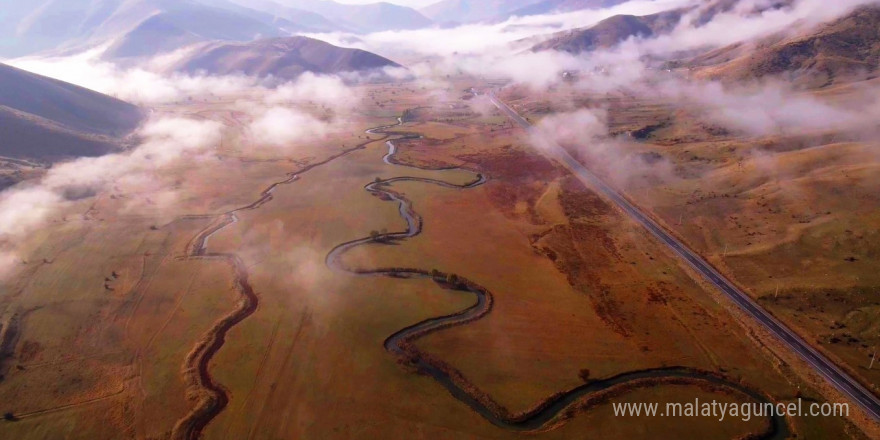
[[138, 26], [141, 28], [611, 31], [844, 50], [283, 58], [179, 23], [46, 119], [558, 6], [371, 17], [468, 11], [148, 27], [614, 30]]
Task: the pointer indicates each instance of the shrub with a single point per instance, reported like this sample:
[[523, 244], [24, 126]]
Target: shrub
[[584, 374], [452, 279]]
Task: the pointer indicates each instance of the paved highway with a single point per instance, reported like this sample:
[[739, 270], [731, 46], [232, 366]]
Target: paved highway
[[828, 369]]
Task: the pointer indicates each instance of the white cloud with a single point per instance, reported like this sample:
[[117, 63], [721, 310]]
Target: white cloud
[[29, 206], [282, 127]]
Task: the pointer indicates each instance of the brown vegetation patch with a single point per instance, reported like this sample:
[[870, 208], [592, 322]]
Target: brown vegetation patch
[[579, 204], [449, 113], [519, 178], [843, 318], [30, 351], [584, 267], [422, 153]]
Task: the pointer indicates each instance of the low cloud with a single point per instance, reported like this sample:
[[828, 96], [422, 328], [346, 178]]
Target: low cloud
[[280, 127], [273, 119], [138, 85], [772, 108], [483, 38], [314, 105], [29, 206], [584, 133], [741, 23], [324, 90]]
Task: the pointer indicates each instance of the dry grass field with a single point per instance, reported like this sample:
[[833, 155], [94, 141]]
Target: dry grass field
[[791, 218], [100, 343]]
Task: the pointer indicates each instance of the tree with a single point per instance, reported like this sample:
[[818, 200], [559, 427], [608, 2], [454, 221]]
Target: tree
[[584, 374], [10, 417], [374, 235], [435, 274]]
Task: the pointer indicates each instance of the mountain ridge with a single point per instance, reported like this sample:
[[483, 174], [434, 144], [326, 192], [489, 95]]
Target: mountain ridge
[[283, 58]]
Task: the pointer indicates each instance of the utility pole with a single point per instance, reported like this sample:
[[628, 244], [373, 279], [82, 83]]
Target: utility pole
[[681, 219], [873, 357], [777, 291]]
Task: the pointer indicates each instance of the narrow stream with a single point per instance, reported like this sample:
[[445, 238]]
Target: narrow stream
[[401, 343]]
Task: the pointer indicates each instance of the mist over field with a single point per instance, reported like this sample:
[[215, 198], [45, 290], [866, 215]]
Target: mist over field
[[466, 218], [497, 49]]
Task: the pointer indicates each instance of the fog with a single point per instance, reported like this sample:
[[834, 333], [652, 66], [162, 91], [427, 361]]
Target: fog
[[483, 38], [278, 116], [31, 205], [275, 118], [740, 24]]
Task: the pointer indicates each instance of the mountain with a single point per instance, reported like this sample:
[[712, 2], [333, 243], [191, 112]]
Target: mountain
[[373, 17], [610, 32], [137, 27], [46, 119], [303, 20], [846, 49], [616, 29], [27, 27], [181, 23], [468, 11], [154, 35], [284, 58], [552, 6]]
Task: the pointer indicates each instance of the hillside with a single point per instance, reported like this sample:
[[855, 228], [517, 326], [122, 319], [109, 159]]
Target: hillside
[[616, 29], [42, 118], [300, 19], [136, 27], [466, 11], [372, 17], [27, 27], [610, 32], [844, 50], [284, 58], [155, 35], [184, 23], [551, 6]]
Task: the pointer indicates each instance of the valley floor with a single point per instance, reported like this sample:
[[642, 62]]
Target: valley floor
[[221, 316]]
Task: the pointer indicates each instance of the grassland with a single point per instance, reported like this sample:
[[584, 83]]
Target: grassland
[[791, 218], [576, 287]]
